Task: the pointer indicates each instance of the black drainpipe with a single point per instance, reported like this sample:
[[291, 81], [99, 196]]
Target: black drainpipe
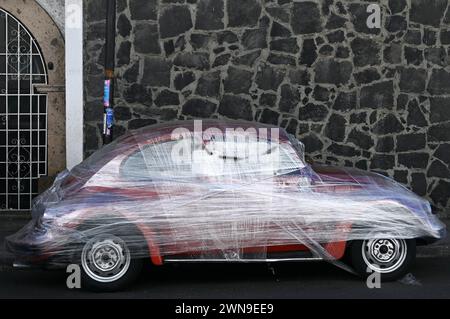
[[110, 53]]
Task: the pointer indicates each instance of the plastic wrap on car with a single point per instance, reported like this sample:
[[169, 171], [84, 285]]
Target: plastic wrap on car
[[226, 190]]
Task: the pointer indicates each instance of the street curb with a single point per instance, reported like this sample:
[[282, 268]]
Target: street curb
[[12, 216], [435, 250]]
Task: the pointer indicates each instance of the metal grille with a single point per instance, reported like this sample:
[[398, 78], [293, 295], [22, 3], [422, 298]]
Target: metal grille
[[23, 115]]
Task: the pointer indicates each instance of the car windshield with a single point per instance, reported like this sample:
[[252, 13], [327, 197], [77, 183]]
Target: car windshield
[[299, 148]]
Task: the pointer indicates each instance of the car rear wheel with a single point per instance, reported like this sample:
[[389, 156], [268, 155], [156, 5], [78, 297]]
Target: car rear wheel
[[107, 263], [390, 257]]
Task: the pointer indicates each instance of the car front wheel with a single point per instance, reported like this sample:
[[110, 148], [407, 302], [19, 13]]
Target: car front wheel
[[107, 264], [390, 257]]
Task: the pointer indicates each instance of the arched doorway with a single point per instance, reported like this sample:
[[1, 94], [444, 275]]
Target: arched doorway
[[23, 115], [31, 105]]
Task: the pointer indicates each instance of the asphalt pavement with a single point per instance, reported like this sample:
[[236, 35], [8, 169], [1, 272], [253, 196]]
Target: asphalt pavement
[[429, 278]]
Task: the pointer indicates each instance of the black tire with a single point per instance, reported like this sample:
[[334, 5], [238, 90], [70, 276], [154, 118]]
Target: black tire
[[360, 260], [125, 281], [126, 276], [125, 245]]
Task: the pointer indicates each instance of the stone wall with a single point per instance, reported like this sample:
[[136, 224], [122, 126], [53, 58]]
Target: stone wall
[[377, 99]]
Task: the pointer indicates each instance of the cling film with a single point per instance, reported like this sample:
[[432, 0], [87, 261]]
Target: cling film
[[226, 190]]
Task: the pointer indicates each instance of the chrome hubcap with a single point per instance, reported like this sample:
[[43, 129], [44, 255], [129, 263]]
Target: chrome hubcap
[[106, 255], [384, 255], [105, 258]]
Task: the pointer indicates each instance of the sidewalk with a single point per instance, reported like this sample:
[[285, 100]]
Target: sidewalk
[[12, 223]]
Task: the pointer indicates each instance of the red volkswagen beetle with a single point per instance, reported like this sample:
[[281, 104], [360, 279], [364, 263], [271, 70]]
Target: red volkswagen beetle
[[219, 191]]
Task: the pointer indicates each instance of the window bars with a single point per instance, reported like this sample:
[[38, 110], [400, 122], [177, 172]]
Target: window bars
[[23, 115]]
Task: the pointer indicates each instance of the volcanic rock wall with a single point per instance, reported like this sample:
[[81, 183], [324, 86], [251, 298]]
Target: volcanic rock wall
[[373, 98]]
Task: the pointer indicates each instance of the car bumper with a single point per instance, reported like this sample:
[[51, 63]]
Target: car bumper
[[34, 247], [441, 234], [28, 255]]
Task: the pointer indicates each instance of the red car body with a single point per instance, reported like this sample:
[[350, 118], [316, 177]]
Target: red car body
[[80, 195]]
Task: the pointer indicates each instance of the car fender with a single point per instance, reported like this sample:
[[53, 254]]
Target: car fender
[[80, 217]]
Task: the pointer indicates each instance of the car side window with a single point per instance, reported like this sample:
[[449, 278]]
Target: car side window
[[249, 160], [154, 161]]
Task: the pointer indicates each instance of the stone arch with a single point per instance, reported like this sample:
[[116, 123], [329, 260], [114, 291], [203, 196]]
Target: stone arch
[[51, 43]]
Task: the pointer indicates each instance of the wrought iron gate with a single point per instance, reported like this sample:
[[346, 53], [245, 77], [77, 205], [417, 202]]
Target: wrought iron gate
[[23, 115]]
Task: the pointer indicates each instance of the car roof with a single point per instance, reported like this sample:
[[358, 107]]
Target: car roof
[[189, 124], [134, 139]]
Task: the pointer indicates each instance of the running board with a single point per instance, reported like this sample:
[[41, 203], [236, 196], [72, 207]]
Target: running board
[[269, 260]]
